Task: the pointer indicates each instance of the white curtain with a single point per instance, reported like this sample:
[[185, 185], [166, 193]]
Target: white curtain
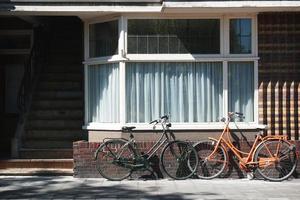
[[103, 93], [189, 92], [241, 89]]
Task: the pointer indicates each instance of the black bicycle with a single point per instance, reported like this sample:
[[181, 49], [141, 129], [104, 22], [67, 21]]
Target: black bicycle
[[117, 159]]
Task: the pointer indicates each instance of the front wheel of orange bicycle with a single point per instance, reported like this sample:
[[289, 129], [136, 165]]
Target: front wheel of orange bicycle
[[276, 160], [211, 165]]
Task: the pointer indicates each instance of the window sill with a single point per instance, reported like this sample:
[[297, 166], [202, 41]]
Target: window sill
[[175, 126]]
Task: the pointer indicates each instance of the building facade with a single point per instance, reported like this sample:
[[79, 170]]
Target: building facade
[[95, 66]]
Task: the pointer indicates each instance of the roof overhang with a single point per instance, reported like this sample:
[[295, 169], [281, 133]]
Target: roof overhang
[[229, 6], [84, 9]]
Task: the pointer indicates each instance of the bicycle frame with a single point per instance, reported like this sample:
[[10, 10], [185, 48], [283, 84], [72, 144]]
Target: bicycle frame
[[246, 159], [164, 138]]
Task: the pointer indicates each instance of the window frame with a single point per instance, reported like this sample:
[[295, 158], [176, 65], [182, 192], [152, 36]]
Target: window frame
[[122, 58]]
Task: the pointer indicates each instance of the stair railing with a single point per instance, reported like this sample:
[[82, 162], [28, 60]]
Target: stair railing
[[32, 68]]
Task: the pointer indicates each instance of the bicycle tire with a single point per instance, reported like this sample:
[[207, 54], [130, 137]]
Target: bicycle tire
[[179, 160], [213, 167], [110, 159], [275, 170]]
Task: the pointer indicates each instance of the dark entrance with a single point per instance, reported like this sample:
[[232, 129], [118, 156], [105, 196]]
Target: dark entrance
[[5, 136]]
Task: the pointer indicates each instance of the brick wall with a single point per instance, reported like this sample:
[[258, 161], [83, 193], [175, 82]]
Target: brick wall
[[84, 164], [279, 72]]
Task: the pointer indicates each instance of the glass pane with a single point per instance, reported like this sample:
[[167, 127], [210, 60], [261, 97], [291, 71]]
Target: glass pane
[[196, 36], [103, 93], [240, 36], [241, 89], [103, 39], [190, 92]]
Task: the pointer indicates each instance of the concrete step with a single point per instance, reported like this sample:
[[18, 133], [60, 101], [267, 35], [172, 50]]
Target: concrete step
[[59, 95], [37, 163], [53, 124], [48, 144], [46, 153], [56, 134], [59, 85], [55, 104], [62, 77], [57, 114], [36, 172]]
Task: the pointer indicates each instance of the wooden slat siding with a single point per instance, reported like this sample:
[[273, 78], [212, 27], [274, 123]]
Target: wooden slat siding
[[279, 72]]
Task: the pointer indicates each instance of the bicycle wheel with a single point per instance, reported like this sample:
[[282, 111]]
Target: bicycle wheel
[[179, 160], [111, 159], [210, 165], [276, 159]]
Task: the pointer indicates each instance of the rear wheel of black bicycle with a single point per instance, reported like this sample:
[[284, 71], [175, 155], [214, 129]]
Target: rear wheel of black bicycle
[[113, 159], [179, 160]]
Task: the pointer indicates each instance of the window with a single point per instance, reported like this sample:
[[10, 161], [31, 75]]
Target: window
[[103, 39], [173, 36], [210, 69], [190, 92], [241, 88], [103, 98], [240, 36]]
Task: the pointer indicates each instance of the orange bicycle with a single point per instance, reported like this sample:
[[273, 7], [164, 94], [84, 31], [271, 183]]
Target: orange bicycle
[[273, 157]]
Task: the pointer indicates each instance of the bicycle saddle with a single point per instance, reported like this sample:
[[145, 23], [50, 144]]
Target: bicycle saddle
[[128, 128]]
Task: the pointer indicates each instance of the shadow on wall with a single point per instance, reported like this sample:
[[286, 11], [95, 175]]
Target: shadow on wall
[[58, 187]]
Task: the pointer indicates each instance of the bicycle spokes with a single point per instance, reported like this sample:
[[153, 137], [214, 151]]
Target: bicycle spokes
[[276, 160]]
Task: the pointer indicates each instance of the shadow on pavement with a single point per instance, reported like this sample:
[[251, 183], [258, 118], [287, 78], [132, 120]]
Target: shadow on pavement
[[58, 187]]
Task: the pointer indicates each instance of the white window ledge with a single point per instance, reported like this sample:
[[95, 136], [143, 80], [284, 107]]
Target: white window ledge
[[175, 126]]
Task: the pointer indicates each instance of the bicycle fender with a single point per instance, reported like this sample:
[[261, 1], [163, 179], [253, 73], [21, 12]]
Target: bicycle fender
[[270, 139]]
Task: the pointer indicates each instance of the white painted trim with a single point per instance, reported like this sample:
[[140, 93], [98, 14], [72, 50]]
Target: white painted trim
[[222, 36], [175, 126], [86, 41], [103, 60], [171, 16], [102, 19], [79, 9], [122, 92], [234, 5], [121, 41], [255, 35], [225, 88], [86, 96], [184, 58], [164, 58], [256, 91]]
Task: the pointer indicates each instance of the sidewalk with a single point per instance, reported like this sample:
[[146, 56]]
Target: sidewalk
[[66, 187]]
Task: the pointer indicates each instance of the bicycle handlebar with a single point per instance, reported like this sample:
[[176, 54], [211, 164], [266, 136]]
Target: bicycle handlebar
[[154, 121], [236, 114], [164, 117]]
